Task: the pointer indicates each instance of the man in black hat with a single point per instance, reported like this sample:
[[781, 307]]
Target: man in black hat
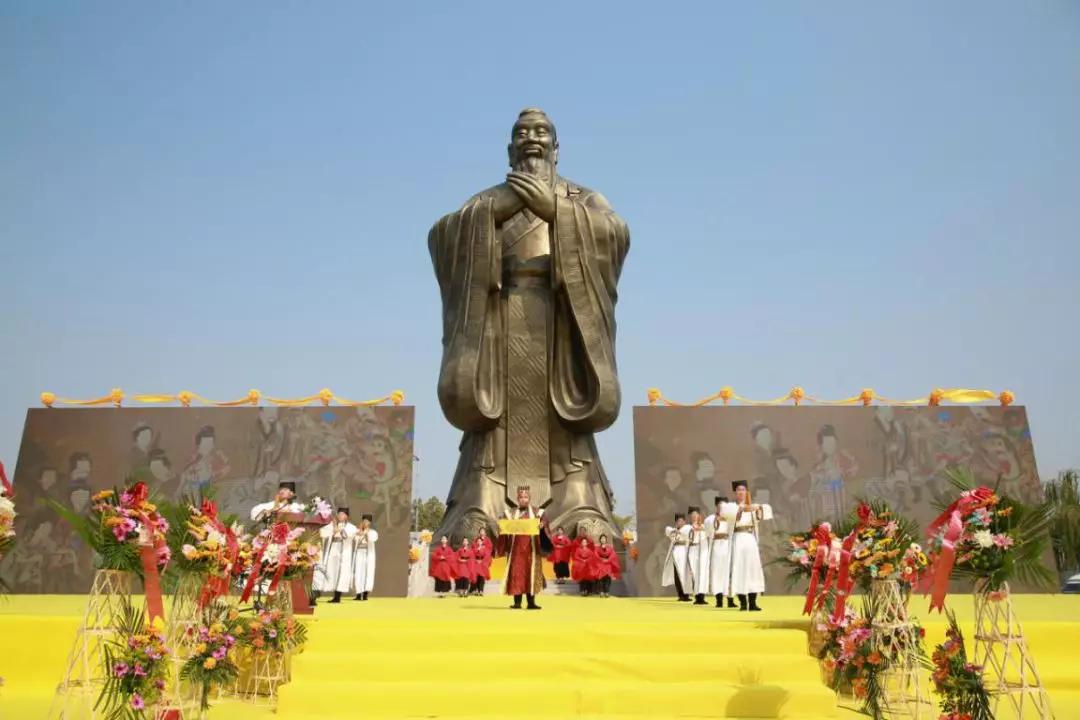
[[747, 574], [675, 565], [697, 558], [364, 557], [718, 546], [335, 572], [284, 502]]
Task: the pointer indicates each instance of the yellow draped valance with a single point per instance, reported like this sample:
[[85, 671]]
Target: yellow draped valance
[[325, 396], [866, 396]]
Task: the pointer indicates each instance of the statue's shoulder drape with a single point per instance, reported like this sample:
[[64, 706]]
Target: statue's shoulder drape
[[589, 244]]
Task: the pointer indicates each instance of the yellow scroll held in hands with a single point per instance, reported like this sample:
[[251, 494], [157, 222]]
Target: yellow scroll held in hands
[[524, 526]]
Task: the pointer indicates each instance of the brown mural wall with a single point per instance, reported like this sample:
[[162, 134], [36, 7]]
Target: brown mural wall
[[812, 463], [359, 457]]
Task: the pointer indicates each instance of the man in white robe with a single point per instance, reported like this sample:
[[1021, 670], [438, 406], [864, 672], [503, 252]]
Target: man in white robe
[[747, 574], [335, 572], [284, 502], [718, 538], [697, 556], [675, 565], [364, 557]]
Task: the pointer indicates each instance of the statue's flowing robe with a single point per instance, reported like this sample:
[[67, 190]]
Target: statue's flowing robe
[[528, 368]]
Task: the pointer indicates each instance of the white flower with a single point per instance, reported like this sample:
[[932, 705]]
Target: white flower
[[983, 538], [271, 554], [215, 536], [7, 508]]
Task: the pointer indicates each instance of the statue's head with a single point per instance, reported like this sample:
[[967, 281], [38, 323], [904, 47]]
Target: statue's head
[[533, 142], [523, 497]]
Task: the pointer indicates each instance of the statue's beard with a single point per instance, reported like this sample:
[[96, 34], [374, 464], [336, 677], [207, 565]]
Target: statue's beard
[[543, 167]]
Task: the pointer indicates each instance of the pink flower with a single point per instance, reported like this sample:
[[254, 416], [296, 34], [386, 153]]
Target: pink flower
[[140, 671], [120, 669], [159, 684], [1003, 541], [137, 702]]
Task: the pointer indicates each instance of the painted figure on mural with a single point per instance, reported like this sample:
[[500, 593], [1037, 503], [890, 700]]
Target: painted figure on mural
[[829, 477], [787, 490], [209, 463], [143, 442], [765, 440], [270, 441], [705, 477], [527, 272]]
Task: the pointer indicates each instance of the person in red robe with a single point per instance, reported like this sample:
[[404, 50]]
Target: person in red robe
[[524, 553], [482, 548], [582, 565], [463, 568], [562, 546], [441, 566], [605, 565]]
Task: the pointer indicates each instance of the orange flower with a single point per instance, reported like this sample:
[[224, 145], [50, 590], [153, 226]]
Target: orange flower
[[875, 658]]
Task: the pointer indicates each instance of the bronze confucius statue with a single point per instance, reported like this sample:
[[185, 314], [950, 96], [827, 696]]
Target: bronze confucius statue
[[527, 272]]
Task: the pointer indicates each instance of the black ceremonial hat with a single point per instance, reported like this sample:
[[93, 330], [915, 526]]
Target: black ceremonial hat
[[739, 483], [367, 516], [287, 485], [343, 510], [693, 509], [720, 499], [680, 516]]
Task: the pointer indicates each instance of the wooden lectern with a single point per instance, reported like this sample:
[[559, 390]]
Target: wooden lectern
[[300, 602]]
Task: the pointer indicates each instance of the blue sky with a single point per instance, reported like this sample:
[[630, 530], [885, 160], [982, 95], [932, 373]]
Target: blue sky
[[215, 197]]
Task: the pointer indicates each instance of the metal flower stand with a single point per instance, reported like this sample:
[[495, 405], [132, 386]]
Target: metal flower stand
[[1008, 670]]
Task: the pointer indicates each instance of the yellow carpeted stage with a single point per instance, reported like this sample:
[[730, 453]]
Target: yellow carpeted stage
[[578, 657]]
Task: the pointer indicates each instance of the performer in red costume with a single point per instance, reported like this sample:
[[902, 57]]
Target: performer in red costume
[[524, 561], [482, 548], [442, 566], [463, 568], [582, 570], [605, 565], [562, 546]]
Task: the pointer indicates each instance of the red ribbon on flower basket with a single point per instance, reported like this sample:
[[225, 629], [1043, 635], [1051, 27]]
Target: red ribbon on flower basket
[[5, 483], [936, 581], [823, 534], [279, 535], [217, 585], [150, 545], [844, 583]]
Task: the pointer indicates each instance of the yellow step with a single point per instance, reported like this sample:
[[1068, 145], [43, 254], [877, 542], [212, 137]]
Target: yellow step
[[492, 697], [325, 666]]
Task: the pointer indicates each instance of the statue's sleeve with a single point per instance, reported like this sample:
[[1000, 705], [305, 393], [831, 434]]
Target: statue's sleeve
[[468, 268], [590, 243]]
